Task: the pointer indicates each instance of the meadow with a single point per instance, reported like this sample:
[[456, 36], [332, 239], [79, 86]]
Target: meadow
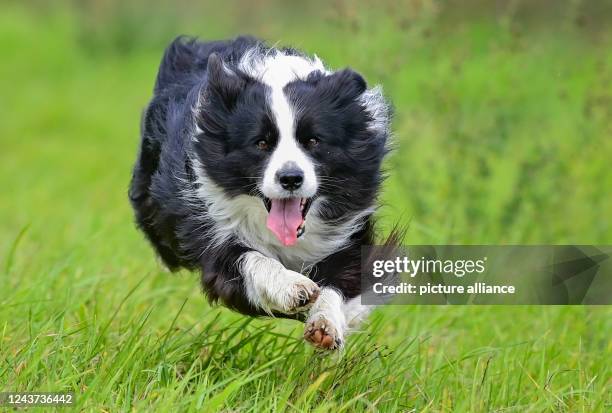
[[502, 126]]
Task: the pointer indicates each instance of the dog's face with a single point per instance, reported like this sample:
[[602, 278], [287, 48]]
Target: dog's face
[[287, 132]]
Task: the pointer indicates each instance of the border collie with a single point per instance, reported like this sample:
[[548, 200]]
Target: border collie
[[260, 167]]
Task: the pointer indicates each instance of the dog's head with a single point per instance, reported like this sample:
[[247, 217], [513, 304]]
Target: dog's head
[[280, 127]]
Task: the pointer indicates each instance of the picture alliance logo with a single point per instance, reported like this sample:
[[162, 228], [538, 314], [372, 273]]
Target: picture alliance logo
[[411, 267]]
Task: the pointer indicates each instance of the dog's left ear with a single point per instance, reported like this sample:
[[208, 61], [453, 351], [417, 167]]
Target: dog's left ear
[[223, 82], [344, 86]]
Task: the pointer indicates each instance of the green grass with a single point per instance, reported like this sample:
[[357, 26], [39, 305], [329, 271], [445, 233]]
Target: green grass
[[503, 132]]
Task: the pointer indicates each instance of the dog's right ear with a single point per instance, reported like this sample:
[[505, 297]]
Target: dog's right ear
[[222, 82], [343, 86]]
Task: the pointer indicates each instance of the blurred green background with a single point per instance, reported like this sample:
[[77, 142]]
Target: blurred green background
[[503, 126]]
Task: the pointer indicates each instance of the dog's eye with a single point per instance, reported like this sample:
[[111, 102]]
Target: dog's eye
[[312, 142], [262, 145]]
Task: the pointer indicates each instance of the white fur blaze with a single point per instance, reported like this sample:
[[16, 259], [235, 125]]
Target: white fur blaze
[[287, 150]]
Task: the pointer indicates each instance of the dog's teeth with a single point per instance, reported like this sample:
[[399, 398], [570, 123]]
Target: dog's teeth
[[300, 230]]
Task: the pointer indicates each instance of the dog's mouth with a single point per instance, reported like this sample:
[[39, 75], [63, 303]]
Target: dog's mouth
[[287, 218]]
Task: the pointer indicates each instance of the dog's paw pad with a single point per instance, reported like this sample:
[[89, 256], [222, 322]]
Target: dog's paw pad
[[321, 334]]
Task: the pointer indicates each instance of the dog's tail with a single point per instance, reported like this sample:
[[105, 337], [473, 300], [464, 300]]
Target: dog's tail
[[387, 249], [396, 236]]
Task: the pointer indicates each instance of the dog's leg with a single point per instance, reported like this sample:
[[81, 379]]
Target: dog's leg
[[331, 319], [326, 324], [355, 312], [273, 288]]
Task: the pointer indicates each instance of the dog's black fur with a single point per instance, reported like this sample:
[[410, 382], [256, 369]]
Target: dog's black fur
[[201, 114]]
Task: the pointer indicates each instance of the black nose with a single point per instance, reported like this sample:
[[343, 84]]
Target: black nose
[[290, 177]]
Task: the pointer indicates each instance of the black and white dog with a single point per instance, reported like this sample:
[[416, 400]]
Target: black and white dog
[[260, 167]]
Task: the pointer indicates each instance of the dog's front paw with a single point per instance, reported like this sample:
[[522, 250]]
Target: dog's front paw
[[323, 334], [296, 294], [305, 295]]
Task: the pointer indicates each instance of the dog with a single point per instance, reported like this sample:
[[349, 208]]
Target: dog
[[260, 167]]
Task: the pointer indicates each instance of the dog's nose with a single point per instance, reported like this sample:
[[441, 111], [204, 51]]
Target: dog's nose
[[290, 177]]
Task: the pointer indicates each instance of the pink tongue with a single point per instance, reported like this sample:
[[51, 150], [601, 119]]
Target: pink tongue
[[284, 219]]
